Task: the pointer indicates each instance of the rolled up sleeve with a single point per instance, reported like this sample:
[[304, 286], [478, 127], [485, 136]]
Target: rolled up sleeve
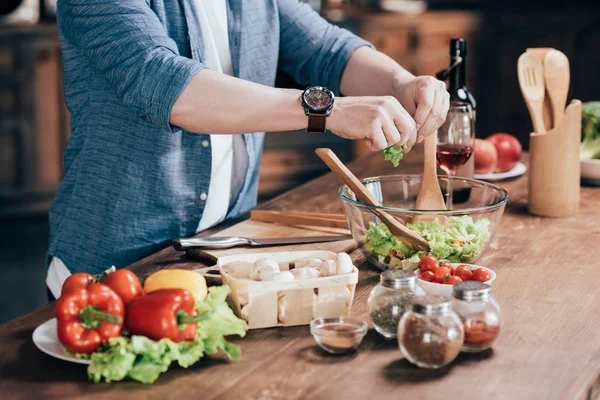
[[312, 50], [126, 41]]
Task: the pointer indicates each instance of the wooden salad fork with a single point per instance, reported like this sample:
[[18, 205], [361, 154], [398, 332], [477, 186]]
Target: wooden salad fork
[[531, 80], [404, 235]]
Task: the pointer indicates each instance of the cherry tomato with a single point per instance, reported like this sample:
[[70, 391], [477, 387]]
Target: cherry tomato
[[481, 275], [427, 276], [78, 280], [125, 284], [447, 264], [464, 272], [442, 274], [428, 263], [453, 280]]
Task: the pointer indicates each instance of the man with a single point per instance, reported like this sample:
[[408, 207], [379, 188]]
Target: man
[[164, 96]]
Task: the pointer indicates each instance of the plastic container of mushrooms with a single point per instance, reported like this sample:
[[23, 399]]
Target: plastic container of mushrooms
[[289, 288]]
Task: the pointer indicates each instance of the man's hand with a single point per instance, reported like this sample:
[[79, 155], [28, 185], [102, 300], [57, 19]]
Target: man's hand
[[426, 100], [380, 120]]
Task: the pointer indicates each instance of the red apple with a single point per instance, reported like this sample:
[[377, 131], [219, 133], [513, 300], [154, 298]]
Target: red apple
[[509, 150], [486, 157]]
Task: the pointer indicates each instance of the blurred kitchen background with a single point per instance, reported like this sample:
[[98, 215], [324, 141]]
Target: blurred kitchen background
[[34, 122]]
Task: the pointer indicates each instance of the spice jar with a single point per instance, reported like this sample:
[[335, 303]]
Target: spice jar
[[479, 312], [390, 299], [430, 335]]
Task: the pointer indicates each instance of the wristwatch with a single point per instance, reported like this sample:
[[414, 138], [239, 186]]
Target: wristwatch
[[318, 103]]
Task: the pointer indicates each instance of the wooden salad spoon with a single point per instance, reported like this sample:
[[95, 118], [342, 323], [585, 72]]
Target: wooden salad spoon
[[430, 194], [558, 77], [405, 235]]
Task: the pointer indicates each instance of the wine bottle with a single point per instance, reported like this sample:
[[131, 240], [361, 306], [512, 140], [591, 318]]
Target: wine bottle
[[456, 74]]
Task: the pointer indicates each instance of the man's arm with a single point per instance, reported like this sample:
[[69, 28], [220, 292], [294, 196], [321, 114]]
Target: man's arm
[[369, 72], [127, 43]]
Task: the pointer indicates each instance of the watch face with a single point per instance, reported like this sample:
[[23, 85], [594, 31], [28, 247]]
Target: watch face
[[318, 98]]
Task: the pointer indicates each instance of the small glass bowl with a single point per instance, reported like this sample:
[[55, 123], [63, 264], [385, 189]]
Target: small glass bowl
[[338, 335]]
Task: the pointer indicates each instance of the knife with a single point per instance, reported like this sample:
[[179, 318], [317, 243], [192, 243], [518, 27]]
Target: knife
[[226, 242]]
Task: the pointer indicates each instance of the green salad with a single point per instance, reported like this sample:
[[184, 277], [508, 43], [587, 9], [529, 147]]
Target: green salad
[[142, 359], [459, 239]]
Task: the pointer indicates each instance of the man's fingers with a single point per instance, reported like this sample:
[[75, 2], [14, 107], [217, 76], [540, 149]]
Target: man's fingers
[[424, 97], [377, 141], [390, 131], [436, 116]]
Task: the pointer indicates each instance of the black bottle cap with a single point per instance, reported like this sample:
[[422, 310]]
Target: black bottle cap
[[458, 45]]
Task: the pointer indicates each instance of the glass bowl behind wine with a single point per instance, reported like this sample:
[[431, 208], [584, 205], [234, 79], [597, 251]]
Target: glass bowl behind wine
[[460, 235]]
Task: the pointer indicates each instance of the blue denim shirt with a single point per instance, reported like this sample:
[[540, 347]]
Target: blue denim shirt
[[132, 180]]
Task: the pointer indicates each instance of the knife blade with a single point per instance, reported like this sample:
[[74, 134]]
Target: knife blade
[[226, 242]]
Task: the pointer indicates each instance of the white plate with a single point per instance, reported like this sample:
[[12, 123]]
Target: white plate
[[517, 170], [46, 339], [590, 172]]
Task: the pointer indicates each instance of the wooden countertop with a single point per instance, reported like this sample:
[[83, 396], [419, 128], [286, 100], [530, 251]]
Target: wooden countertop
[[548, 285]]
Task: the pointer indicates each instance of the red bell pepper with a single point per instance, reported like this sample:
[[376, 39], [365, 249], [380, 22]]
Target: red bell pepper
[[164, 313], [88, 316]]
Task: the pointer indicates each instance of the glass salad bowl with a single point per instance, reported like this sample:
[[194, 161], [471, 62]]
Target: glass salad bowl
[[459, 235]]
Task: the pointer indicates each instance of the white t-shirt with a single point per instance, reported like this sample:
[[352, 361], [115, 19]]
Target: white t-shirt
[[229, 156]]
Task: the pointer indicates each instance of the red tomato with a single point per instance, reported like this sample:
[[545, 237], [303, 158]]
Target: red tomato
[[125, 284], [509, 150], [427, 276], [453, 280], [481, 275], [428, 263], [442, 274], [486, 156], [448, 265], [78, 280], [464, 272]]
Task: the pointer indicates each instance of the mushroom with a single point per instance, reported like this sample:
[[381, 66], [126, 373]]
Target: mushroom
[[281, 306], [308, 263], [305, 273], [245, 311], [283, 276], [263, 268], [344, 264], [242, 296], [327, 268]]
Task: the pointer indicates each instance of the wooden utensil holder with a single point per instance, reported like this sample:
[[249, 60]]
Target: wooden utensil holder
[[554, 175]]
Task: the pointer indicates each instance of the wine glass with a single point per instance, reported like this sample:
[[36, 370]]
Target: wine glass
[[456, 139]]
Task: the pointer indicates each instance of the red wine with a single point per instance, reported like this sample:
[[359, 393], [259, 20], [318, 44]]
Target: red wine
[[453, 156]]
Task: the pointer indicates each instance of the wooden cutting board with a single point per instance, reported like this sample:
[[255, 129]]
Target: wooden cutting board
[[257, 230]]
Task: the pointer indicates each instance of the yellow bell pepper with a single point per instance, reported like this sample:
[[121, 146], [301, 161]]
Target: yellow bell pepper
[[177, 279]]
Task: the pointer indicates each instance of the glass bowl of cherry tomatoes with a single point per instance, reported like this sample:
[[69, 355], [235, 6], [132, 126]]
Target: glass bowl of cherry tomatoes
[[438, 277]]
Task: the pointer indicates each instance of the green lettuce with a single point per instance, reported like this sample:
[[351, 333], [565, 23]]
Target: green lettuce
[[590, 131], [394, 154], [459, 239], [142, 359]]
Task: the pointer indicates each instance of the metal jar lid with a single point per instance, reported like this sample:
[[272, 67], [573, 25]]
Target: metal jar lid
[[431, 304], [471, 290], [398, 279]]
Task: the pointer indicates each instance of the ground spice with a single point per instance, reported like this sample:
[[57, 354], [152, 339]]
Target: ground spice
[[428, 342], [478, 334]]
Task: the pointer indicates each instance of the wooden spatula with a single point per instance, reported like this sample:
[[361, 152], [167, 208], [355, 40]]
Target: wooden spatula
[[540, 53], [531, 80], [558, 77], [405, 235], [430, 194]]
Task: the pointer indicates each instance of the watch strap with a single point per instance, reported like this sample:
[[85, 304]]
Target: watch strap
[[316, 123]]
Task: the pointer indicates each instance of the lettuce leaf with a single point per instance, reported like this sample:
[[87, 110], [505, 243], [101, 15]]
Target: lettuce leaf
[[460, 239], [142, 359], [393, 154]]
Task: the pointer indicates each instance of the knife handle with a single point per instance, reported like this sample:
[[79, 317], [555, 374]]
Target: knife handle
[[223, 242]]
